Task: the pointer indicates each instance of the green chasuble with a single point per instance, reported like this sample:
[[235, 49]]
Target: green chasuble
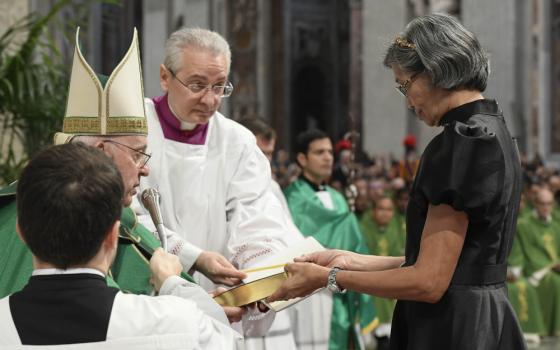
[[384, 241], [523, 295], [130, 271], [540, 243], [336, 229], [400, 221], [527, 210]]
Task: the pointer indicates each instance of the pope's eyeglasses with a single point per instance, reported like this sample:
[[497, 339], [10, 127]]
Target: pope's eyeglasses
[[140, 158]]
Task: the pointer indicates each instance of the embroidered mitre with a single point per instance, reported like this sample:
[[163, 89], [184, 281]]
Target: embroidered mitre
[[116, 108]]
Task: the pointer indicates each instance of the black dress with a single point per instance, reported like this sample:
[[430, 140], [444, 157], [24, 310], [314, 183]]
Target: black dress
[[472, 165]]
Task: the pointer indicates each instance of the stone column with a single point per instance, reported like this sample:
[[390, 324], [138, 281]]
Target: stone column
[[384, 110], [498, 32]]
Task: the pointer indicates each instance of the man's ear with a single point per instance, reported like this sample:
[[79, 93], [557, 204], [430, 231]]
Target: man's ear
[[164, 77], [99, 144], [112, 238], [301, 159], [18, 230]]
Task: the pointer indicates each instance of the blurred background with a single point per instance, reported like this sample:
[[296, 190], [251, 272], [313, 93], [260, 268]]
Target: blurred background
[[296, 63]]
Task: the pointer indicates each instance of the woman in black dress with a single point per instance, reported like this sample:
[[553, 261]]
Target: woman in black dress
[[462, 212]]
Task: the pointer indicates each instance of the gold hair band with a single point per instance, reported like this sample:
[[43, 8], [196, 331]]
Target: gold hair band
[[402, 42]]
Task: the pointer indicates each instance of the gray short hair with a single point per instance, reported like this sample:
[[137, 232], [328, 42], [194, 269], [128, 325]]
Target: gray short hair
[[196, 38], [443, 48], [89, 140]]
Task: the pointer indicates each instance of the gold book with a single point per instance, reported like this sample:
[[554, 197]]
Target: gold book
[[265, 279], [251, 292]]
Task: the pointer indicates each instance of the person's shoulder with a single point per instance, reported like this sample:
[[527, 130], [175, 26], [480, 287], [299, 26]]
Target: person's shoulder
[[335, 194], [9, 190], [233, 129], [148, 101], [293, 187], [164, 308], [525, 221], [477, 127]]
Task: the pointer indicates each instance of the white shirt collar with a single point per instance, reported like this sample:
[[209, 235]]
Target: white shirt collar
[[184, 125], [546, 220], [53, 271]]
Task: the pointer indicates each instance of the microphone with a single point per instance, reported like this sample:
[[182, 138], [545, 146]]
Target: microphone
[[151, 200]]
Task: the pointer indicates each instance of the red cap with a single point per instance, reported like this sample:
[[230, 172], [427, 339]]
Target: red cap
[[409, 141], [343, 144]]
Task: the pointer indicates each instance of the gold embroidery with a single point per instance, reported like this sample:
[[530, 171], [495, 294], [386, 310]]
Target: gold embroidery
[[383, 247], [549, 246], [124, 125], [115, 125], [85, 125], [129, 235], [522, 298]]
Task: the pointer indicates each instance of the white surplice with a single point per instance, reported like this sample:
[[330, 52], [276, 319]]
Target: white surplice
[[183, 311], [217, 197]]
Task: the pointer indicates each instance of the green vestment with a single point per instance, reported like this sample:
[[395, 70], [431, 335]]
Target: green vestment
[[540, 242], [130, 271], [400, 222], [384, 241], [523, 295], [335, 228]]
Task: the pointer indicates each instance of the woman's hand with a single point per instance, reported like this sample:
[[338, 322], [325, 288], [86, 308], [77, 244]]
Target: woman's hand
[[303, 279], [330, 258]]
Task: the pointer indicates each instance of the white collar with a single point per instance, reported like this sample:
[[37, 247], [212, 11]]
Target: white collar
[[546, 220], [69, 271], [184, 125]]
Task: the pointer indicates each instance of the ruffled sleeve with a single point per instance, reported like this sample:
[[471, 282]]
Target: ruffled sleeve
[[464, 168]]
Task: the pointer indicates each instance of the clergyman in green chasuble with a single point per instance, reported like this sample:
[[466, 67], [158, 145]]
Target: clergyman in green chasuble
[[522, 294], [539, 240], [383, 237]]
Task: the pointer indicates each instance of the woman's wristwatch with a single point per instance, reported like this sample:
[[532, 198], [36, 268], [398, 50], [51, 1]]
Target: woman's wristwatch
[[331, 281]]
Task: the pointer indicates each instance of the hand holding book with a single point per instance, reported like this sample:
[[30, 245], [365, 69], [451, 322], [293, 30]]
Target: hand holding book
[[263, 281]]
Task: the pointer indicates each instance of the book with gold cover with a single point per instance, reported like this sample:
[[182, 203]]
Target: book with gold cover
[[265, 279]]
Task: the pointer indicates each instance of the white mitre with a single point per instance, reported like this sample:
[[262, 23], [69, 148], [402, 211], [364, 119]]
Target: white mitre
[[114, 109]]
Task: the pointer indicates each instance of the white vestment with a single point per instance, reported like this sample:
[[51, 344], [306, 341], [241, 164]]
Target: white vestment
[[311, 317], [183, 310], [217, 197]]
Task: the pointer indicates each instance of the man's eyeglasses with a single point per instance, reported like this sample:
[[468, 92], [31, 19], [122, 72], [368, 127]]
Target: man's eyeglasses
[[222, 90], [405, 86], [140, 158]]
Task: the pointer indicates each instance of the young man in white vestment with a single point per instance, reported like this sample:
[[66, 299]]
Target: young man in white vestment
[[213, 179], [69, 201]]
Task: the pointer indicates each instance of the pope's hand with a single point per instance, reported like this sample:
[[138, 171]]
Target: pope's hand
[[163, 265], [330, 258], [218, 269], [303, 279]]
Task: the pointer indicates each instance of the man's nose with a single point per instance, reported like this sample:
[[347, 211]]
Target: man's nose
[[144, 171], [209, 98]]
